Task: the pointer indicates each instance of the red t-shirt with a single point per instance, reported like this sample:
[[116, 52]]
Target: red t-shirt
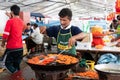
[[13, 33]]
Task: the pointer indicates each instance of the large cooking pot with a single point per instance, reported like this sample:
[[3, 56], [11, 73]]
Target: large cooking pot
[[50, 67], [108, 71]]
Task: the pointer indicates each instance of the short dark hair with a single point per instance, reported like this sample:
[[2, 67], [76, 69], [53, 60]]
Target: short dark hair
[[118, 17], [35, 25], [65, 12], [28, 24], [15, 9], [114, 20]]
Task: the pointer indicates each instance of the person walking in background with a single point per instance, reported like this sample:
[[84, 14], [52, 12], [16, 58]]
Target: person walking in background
[[66, 34], [35, 38], [12, 36]]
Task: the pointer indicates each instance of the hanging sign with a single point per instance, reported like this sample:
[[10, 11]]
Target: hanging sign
[[117, 6]]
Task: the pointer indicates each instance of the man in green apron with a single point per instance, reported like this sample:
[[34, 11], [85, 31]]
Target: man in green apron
[[62, 42], [65, 33]]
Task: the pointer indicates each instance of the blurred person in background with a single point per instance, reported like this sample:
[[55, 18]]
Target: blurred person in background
[[118, 27], [35, 38], [117, 30], [113, 25], [28, 31]]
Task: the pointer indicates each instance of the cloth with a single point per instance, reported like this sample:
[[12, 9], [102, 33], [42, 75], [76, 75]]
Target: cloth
[[13, 33], [37, 37], [12, 59], [53, 31], [107, 58], [62, 42], [24, 37], [82, 63]]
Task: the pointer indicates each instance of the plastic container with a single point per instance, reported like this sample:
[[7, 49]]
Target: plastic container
[[90, 64]]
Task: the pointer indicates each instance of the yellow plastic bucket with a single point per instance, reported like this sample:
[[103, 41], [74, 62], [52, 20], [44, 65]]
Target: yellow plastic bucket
[[90, 64]]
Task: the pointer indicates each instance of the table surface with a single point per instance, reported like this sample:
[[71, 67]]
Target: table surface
[[84, 47]]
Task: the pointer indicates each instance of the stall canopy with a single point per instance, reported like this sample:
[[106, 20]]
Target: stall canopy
[[37, 15]]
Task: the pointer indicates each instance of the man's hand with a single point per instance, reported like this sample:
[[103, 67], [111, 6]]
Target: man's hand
[[115, 39], [8, 14], [43, 29], [71, 41], [3, 45]]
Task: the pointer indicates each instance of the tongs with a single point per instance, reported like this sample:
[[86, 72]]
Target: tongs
[[61, 52], [55, 57]]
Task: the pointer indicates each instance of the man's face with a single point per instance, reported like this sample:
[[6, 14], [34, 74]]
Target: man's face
[[65, 21], [28, 26]]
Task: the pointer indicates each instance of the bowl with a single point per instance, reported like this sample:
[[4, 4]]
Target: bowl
[[108, 71]]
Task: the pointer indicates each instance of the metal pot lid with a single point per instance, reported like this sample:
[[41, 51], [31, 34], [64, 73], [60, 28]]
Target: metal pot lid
[[108, 68]]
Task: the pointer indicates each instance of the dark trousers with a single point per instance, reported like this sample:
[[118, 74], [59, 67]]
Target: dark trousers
[[12, 59], [30, 43]]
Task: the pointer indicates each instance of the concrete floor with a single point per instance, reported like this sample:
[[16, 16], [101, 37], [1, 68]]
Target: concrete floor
[[27, 74]]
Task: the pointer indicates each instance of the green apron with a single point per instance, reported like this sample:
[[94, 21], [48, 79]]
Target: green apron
[[62, 42], [118, 29]]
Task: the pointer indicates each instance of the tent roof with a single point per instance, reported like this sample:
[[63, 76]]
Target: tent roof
[[80, 8]]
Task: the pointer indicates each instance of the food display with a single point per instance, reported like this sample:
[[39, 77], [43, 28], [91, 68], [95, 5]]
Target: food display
[[51, 58], [99, 46], [87, 75]]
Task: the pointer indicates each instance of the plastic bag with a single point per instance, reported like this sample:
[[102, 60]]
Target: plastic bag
[[107, 58]]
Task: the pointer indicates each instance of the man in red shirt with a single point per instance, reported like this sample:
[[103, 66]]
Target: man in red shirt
[[12, 36]]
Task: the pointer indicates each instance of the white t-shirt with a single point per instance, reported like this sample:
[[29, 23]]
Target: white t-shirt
[[37, 37]]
